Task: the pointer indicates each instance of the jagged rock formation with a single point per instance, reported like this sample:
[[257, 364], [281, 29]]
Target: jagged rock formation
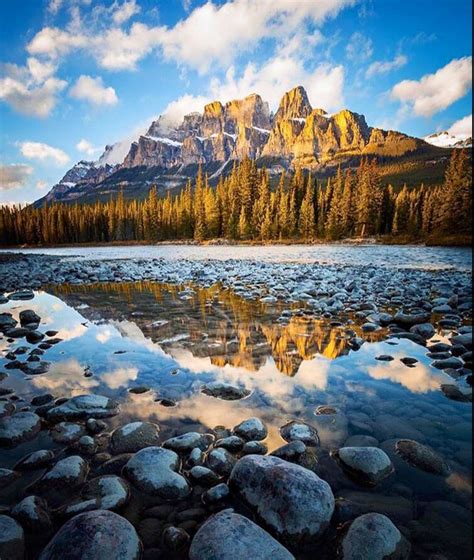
[[295, 136]]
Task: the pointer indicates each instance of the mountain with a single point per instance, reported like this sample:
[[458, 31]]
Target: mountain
[[446, 140], [297, 135]]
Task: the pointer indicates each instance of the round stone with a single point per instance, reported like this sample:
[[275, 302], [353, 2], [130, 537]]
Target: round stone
[[224, 391], [189, 441], [67, 432], [83, 407], [18, 428], [367, 465], [252, 429], [300, 431], [134, 436], [32, 512], [422, 457], [230, 535], [93, 535], [154, 471]]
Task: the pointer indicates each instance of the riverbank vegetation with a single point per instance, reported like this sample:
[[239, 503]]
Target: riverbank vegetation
[[243, 207]]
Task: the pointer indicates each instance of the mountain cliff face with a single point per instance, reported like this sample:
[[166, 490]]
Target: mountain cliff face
[[295, 136]]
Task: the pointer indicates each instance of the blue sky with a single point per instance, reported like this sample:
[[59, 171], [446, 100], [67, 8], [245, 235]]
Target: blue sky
[[79, 74]]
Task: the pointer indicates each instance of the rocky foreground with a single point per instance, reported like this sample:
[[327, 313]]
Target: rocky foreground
[[129, 493]]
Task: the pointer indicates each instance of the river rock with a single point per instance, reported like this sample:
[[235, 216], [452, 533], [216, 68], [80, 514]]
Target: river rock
[[61, 479], [224, 391], [230, 535], [204, 476], [422, 457], [29, 317], [7, 476], [36, 460], [411, 319], [252, 429], [21, 295], [106, 492], [231, 443], [425, 330], [67, 432], [175, 538], [216, 494], [84, 407], [7, 408], [12, 539], [291, 451], [32, 512], [255, 448], [300, 431], [293, 502], [221, 461], [367, 465], [134, 436], [373, 537], [448, 363], [93, 535], [189, 441], [7, 322], [18, 428], [154, 471]]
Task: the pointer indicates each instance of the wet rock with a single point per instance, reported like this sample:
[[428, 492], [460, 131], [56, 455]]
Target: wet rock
[[35, 368], [87, 445], [134, 436], [175, 539], [7, 408], [300, 431], [18, 428], [84, 407], [255, 448], [154, 470], [325, 409], [107, 492], [67, 432], [293, 502], [373, 537], [7, 322], [196, 457], [36, 460], [460, 391], [252, 429], [216, 494], [224, 391], [366, 465], [191, 440], [231, 443], [221, 461], [33, 513], [96, 534], [12, 539], [94, 426], [17, 332], [29, 317], [422, 457], [7, 476], [61, 479], [40, 400], [411, 319], [291, 451], [425, 330], [230, 535], [204, 476], [21, 295], [114, 465], [139, 390], [409, 361], [452, 363], [384, 358], [463, 339]]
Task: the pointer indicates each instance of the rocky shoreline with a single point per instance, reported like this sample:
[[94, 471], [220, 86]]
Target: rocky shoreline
[[130, 493]]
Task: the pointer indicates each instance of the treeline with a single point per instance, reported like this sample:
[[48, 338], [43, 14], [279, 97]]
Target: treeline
[[243, 206]]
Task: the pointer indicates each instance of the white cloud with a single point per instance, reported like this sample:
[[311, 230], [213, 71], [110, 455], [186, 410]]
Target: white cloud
[[123, 12], [41, 185], [386, 66], [186, 104], [86, 147], [14, 175], [31, 90], [43, 152], [231, 28], [93, 90], [462, 128], [360, 48], [435, 92]]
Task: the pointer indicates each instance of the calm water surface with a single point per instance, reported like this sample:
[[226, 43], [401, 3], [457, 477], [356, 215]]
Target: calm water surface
[[172, 341]]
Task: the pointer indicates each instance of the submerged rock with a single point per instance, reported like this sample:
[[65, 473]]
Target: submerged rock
[[32, 512], [154, 471], [93, 535], [36, 460], [12, 539], [189, 441], [7, 476], [300, 431], [224, 391], [106, 492], [67, 432], [18, 428], [293, 502], [422, 457], [134, 436], [84, 407], [373, 537], [367, 465], [228, 535]]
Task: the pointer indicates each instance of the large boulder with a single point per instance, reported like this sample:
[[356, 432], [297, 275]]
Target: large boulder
[[93, 535], [291, 501], [134, 436], [83, 407], [229, 535], [18, 428], [367, 465]]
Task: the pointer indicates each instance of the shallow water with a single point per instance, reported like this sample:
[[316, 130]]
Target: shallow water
[[173, 341], [398, 256]]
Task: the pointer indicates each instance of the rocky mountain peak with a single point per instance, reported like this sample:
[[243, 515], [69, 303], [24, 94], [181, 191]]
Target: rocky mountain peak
[[294, 105]]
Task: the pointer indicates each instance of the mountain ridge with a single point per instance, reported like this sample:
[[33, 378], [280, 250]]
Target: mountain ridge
[[297, 135]]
